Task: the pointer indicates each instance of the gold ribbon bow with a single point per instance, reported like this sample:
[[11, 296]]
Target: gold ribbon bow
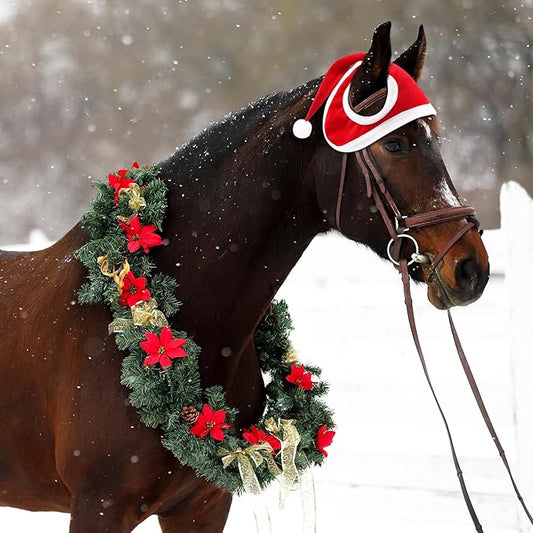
[[146, 312], [246, 469], [118, 274], [136, 203], [142, 314], [249, 479]]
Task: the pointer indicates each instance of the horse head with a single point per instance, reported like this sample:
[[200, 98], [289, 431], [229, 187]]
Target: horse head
[[396, 189]]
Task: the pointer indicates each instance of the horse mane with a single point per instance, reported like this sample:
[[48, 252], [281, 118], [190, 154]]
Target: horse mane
[[256, 128]]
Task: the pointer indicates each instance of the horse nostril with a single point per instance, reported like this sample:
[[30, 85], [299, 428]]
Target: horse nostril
[[470, 278], [467, 271]]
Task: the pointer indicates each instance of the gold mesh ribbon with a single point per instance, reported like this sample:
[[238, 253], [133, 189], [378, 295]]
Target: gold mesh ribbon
[[307, 494], [136, 203], [118, 274], [256, 454], [119, 325], [290, 357], [289, 475], [290, 438], [142, 314], [146, 312], [244, 458]]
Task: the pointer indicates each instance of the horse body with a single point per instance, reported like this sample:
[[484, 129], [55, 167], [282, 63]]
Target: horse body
[[28, 379], [63, 372], [245, 200], [70, 441]]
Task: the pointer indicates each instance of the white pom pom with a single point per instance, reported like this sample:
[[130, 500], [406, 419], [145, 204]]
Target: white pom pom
[[302, 128]]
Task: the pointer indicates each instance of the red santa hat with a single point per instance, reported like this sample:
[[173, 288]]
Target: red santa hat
[[348, 131]]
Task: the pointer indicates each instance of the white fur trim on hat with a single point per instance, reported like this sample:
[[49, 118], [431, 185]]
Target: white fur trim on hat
[[302, 128]]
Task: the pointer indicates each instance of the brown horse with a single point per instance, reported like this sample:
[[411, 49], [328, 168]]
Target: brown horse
[[245, 199]]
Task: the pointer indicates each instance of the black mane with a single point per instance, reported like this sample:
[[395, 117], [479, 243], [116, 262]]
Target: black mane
[[262, 122]]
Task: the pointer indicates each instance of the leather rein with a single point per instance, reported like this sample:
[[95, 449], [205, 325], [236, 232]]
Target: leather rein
[[398, 227]]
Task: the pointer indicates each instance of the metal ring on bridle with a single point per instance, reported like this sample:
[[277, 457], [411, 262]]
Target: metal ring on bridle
[[403, 236]]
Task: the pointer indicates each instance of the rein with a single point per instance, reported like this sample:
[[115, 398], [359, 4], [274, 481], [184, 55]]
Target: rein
[[398, 227]]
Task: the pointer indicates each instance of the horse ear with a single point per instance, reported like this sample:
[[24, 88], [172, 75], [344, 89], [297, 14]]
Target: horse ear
[[373, 71], [412, 60]]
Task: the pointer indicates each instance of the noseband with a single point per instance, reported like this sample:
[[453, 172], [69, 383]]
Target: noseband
[[398, 227]]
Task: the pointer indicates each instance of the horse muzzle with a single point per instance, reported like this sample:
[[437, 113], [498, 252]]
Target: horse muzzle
[[466, 286], [461, 276]]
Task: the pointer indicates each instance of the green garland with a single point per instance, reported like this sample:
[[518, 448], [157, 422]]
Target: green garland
[[122, 224]]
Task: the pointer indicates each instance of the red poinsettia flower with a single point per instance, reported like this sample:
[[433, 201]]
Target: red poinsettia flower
[[258, 436], [324, 438], [300, 377], [133, 291], [140, 236], [210, 423], [120, 181], [162, 348]]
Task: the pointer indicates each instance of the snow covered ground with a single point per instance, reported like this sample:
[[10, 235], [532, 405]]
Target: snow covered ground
[[389, 467]]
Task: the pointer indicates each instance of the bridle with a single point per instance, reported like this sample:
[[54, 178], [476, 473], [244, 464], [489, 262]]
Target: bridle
[[398, 227], [397, 224]]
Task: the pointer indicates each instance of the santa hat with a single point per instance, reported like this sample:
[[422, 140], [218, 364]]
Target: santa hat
[[348, 131]]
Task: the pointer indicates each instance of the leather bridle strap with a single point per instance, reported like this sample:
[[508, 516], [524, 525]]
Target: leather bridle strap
[[484, 413], [457, 237], [341, 191], [411, 317], [439, 215], [475, 390]]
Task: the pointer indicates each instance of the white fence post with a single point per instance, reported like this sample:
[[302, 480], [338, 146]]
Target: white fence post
[[517, 233]]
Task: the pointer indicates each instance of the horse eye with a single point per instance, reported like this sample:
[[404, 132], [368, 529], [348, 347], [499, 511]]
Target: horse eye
[[393, 147]]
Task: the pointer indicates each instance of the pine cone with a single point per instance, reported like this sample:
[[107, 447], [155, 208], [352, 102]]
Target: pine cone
[[189, 414]]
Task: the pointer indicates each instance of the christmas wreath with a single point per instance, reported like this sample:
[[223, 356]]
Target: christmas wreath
[[161, 364]]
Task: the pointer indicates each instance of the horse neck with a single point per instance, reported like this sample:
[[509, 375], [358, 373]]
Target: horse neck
[[239, 221]]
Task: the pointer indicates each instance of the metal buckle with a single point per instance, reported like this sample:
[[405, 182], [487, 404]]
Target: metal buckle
[[414, 255], [400, 229]]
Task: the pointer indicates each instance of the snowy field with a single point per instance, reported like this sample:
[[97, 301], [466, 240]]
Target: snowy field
[[389, 467]]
